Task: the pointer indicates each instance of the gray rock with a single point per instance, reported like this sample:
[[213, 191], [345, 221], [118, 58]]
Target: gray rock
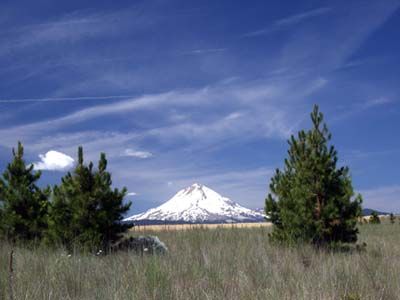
[[142, 244]]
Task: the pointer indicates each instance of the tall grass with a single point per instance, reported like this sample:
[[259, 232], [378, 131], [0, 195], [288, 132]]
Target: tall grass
[[235, 263]]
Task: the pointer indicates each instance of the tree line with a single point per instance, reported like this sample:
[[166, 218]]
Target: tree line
[[82, 211]]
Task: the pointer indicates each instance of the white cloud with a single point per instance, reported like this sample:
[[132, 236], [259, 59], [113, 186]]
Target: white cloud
[[131, 194], [138, 154], [54, 161]]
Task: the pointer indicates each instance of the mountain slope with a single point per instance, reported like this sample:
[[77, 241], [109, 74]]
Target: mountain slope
[[199, 204]]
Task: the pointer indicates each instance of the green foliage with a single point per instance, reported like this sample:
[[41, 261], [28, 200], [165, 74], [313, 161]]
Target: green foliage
[[374, 219], [311, 199], [85, 210], [392, 218], [23, 205]]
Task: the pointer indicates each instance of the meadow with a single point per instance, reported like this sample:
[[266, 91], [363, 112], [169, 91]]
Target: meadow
[[172, 227], [205, 263]]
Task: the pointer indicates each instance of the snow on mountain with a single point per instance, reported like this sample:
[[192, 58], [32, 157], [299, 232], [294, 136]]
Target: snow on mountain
[[199, 204]]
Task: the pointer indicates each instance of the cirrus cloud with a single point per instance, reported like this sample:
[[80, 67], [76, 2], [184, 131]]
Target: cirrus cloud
[[138, 154]]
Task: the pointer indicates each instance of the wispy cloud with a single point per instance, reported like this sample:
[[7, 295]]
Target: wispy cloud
[[69, 28], [376, 102], [354, 155], [205, 51], [75, 27], [289, 21], [138, 154], [295, 19], [93, 142], [250, 104], [60, 99], [362, 106]]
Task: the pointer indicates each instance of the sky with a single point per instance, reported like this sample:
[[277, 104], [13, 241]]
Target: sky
[[177, 92]]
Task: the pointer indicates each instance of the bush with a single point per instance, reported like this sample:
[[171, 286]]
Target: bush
[[374, 219], [392, 218]]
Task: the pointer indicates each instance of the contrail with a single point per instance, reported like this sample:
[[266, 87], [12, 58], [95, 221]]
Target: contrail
[[65, 99]]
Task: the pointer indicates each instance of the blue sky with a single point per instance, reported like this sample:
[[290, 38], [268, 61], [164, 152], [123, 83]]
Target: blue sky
[[177, 92]]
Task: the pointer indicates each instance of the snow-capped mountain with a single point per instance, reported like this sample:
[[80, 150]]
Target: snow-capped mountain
[[199, 204]]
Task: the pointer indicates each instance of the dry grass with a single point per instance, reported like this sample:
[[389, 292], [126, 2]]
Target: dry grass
[[234, 263], [174, 227]]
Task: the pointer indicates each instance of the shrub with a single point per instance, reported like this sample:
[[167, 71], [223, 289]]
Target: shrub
[[374, 219], [392, 218]]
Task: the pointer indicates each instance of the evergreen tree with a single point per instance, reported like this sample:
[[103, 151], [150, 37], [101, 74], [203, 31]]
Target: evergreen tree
[[374, 219], [392, 218], [311, 199], [23, 204], [85, 210]]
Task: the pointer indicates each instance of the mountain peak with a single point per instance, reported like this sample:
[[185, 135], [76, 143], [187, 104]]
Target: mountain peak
[[193, 187], [198, 204], [196, 185]]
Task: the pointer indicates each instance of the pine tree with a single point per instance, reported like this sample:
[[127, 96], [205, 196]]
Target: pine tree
[[110, 205], [311, 199], [85, 210], [23, 204], [374, 219], [392, 218]]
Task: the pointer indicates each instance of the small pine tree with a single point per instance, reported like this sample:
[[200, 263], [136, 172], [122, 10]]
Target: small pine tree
[[311, 199], [23, 204], [392, 218], [374, 219], [85, 210]]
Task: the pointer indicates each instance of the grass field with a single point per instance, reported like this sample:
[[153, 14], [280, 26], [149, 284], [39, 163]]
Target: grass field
[[168, 227], [223, 263]]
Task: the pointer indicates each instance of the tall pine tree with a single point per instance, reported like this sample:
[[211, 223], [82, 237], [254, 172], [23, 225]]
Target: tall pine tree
[[311, 199], [23, 204], [85, 210]]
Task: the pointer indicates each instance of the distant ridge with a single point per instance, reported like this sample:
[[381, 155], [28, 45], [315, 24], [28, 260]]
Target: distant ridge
[[197, 204], [368, 212]]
